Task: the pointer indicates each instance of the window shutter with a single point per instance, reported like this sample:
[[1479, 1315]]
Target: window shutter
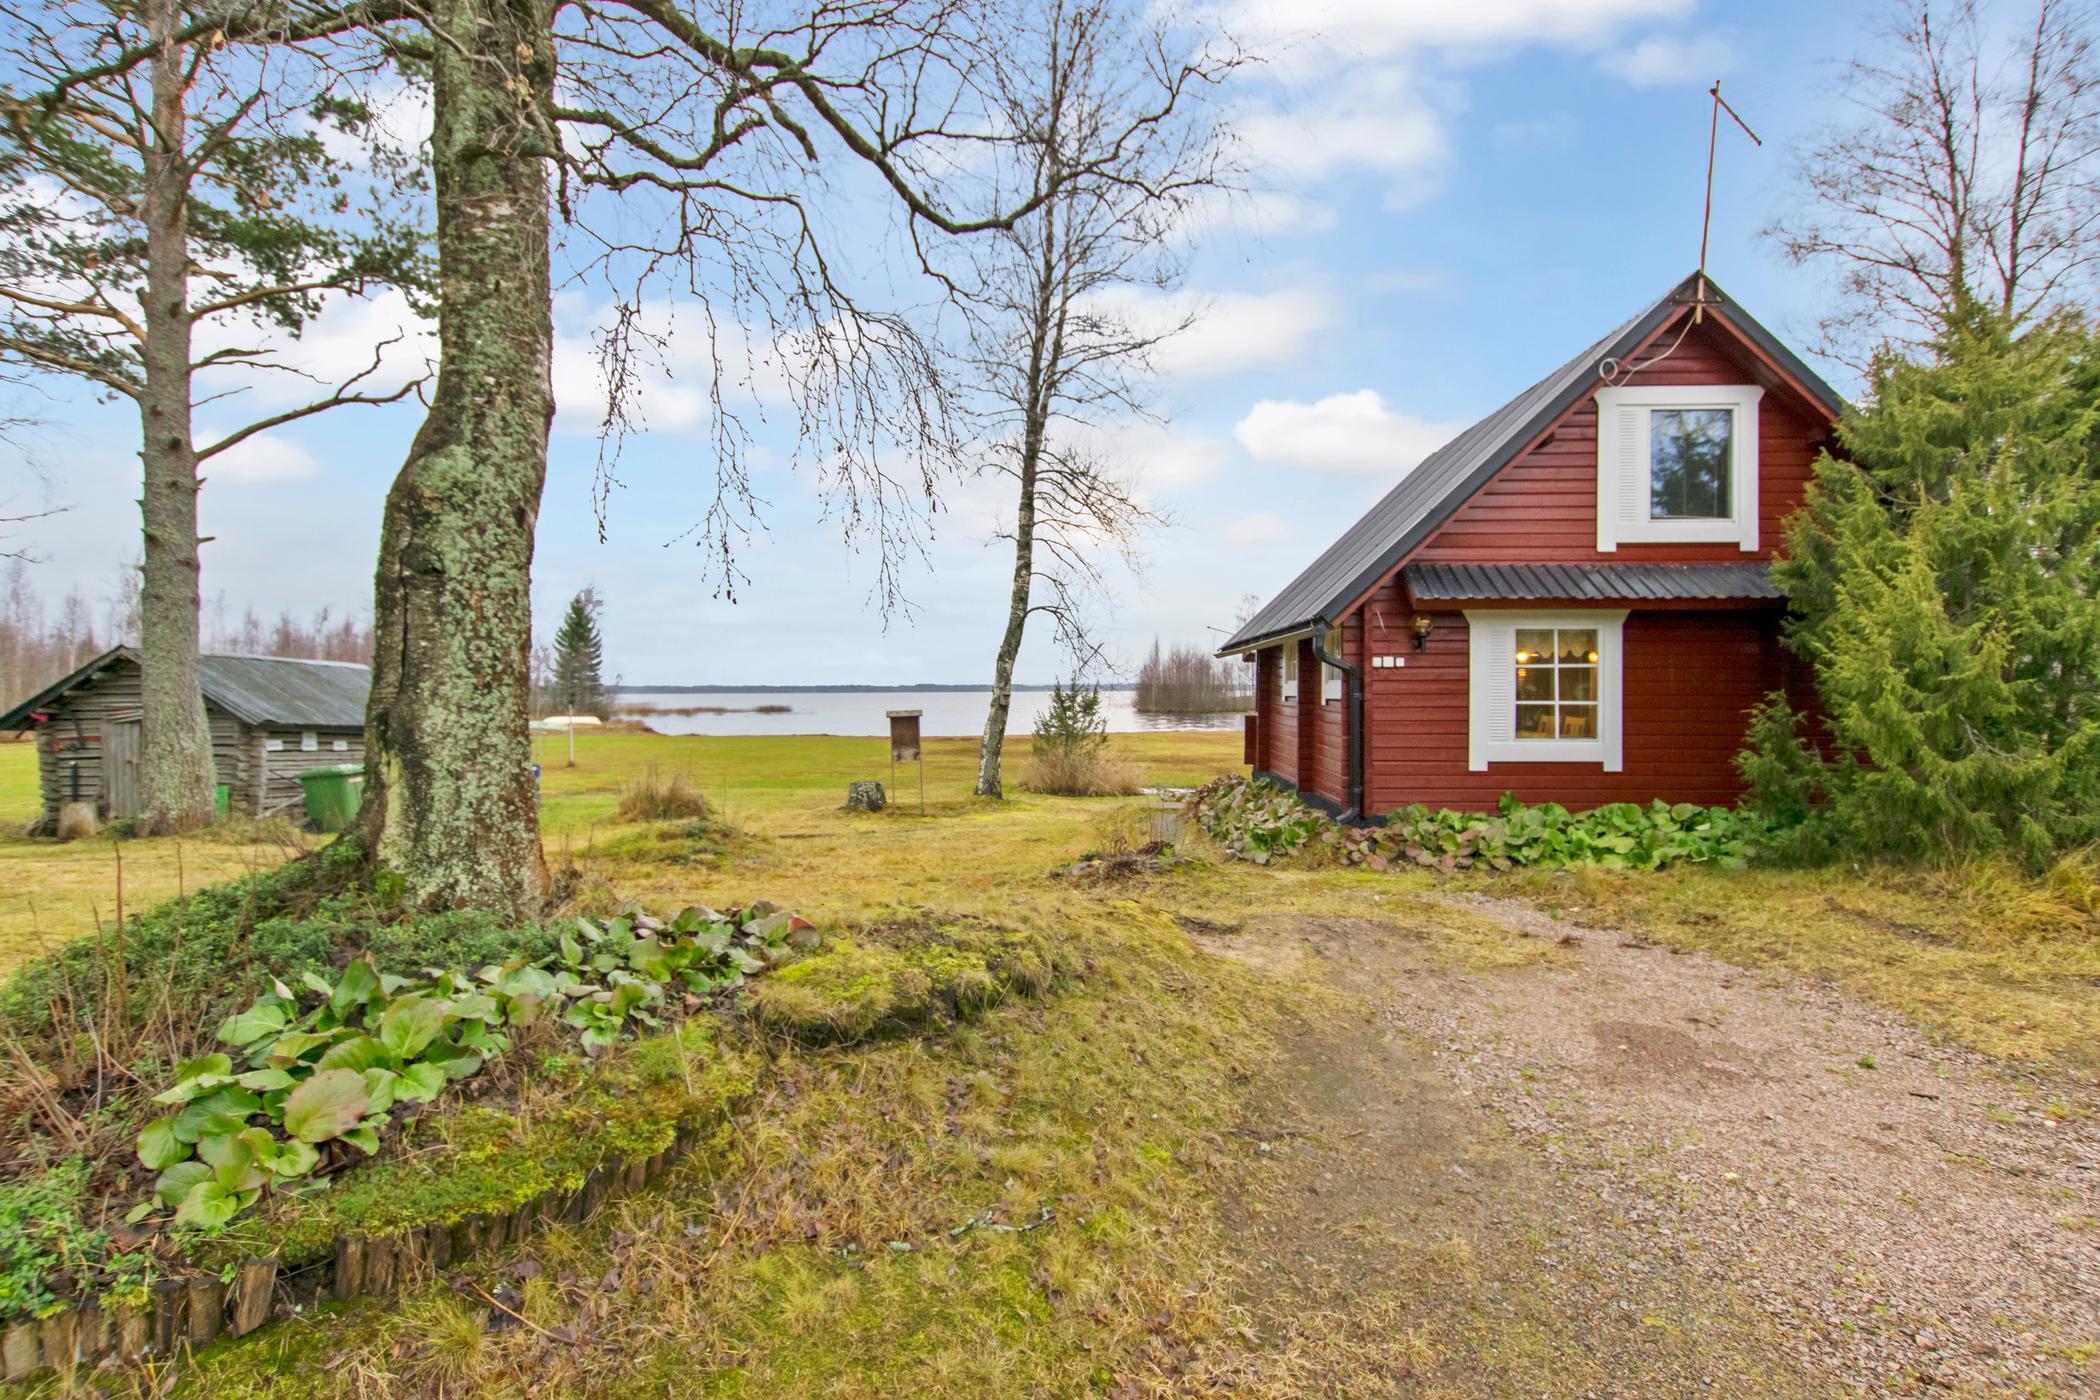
[[1743, 473], [1491, 686], [1629, 443]]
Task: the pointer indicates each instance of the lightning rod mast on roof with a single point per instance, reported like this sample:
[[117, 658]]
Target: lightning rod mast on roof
[[1706, 219]]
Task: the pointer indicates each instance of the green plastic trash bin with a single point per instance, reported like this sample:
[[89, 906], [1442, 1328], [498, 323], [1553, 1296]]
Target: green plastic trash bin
[[332, 794], [225, 798]]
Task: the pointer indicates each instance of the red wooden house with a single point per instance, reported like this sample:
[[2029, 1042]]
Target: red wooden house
[[1570, 600]]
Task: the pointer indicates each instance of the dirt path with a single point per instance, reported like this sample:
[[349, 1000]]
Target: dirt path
[[1623, 1171]]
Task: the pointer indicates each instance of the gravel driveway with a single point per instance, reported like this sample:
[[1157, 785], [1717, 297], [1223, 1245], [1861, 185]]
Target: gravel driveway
[[1897, 1216]]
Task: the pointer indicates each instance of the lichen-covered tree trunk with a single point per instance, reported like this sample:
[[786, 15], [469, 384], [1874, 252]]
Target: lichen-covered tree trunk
[[175, 761], [449, 804]]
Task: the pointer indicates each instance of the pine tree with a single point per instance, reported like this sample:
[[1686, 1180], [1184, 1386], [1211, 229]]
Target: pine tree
[[168, 219], [1072, 728], [1945, 576], [579, 658]]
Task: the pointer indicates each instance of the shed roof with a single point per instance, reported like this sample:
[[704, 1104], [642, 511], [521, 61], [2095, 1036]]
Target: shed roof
[[1448, 477], [267, 690], [1586, 582]]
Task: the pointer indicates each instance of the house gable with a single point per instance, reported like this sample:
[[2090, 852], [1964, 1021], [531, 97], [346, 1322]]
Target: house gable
[[1542, 506], [1446, 483]]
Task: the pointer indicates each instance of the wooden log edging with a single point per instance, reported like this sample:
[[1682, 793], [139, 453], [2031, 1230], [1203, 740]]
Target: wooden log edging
[[191, 1312]]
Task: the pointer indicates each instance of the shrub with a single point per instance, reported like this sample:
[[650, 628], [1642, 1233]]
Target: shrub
[[1261, 821], [1069, 755], [1097, 774], [655, 798]]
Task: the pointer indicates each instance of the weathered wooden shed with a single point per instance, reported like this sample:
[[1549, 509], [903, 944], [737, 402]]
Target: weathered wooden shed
[[272, 718]]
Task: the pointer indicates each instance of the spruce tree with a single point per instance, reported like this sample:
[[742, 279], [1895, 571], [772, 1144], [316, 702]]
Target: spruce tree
[[1944, 573], [579, 656]]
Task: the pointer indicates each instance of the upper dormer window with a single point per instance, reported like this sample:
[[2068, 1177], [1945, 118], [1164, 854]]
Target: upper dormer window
[[1677, 465]]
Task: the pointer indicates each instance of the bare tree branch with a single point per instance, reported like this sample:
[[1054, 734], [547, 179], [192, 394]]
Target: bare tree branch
[[1969, 173]]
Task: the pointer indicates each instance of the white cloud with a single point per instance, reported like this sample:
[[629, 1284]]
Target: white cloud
[[1350, 434], [1228, 331], [677, 357], [1262, 527], [1374, 118], [1160, 459], [1383, 28], [669, 397], [1660, 60], [337, 345], [259, 461], [1371, 84], [1257, 213], [402, 116]]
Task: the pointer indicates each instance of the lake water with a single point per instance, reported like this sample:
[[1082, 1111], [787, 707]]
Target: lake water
[[948, 713]]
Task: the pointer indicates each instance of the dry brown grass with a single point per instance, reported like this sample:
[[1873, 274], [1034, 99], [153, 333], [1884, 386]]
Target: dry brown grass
[[1980, 951], [655, 797], [1078, 773]]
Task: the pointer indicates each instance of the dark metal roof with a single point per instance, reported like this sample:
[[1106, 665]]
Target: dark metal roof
[[266, 690], [1428, 495], [1585, 582], [279, 690]]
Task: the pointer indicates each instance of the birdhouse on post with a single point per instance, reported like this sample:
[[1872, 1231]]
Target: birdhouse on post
[[904, 748], [904, 735]]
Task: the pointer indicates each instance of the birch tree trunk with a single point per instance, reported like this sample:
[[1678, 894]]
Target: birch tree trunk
[[989, 781], [449, 801], [1045, 348], [176, 775]]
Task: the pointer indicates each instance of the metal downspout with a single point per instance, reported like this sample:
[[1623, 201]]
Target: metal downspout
[[1353, 697]]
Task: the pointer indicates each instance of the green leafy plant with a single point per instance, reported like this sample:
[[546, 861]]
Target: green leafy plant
[[333, 1061], [1262, 821]]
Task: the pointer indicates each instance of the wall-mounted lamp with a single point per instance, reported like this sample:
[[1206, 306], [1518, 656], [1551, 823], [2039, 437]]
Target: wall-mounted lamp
[[1423, 625]]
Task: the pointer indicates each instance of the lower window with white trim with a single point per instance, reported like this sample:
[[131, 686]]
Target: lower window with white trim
[[1545, 687]]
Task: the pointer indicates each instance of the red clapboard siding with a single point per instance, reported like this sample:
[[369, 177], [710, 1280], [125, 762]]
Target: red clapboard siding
[[1542, 507], [1304, 741], [1690, 677], [1278, 718]]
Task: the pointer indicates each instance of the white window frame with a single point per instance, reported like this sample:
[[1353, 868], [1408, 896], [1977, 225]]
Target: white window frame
[[1625, 419], [1491, 691], [1331, 676], [1290, 670]]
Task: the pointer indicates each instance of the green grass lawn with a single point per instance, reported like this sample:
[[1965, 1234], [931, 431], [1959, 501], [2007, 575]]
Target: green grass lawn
[[786, 792]]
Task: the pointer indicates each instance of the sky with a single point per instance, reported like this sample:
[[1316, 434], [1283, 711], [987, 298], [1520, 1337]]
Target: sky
[[1445, 201]]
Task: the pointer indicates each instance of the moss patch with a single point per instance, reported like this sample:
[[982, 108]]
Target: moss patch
[[914, 978], [567, 1116], [700, 841]]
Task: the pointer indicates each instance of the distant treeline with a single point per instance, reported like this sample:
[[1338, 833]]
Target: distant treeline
[[42, 641], [1190, 681]]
